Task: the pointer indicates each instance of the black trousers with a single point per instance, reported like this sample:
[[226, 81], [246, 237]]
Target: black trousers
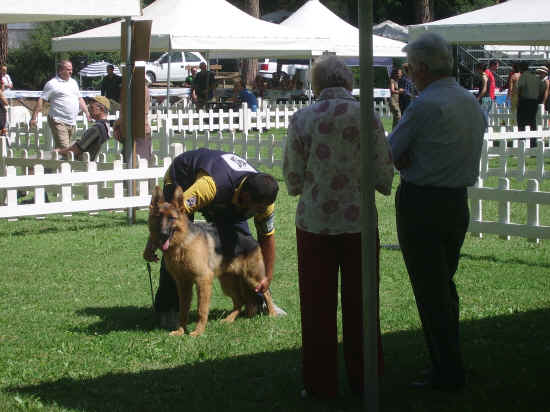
[[431, 226], [527, 115]]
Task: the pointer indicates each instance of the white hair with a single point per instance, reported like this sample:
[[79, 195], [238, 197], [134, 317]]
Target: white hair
[[432, 50], [330, 71]]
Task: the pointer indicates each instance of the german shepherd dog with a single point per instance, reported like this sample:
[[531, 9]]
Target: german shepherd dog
[[192, 256]]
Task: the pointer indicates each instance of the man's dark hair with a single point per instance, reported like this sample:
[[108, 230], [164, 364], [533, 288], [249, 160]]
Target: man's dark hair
[[110, 66], [492, 62], [261, 187], [523, 67]]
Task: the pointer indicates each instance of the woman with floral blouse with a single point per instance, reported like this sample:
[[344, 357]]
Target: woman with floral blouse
[[322, 164]]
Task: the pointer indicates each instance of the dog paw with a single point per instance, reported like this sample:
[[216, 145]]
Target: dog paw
[[178, 332], [196, 333]]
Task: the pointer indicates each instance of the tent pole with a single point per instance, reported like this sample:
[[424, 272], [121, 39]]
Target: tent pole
[[168, 77], [129, 144], [309, 82], [368, 211]]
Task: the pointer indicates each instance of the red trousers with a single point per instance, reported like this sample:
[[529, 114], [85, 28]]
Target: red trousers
[[320, 257]]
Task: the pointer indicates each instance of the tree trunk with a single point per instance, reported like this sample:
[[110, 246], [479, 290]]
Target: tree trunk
[[250, 66], [424, 11], [3, 44]]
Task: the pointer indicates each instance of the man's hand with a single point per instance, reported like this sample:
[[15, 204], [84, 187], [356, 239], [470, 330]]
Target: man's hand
[[263, 286], [116, 132], [403, 162], [149, 255], [32, 123]]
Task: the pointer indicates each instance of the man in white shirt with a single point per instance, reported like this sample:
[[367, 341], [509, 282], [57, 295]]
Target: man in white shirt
[[65, 101], [6, 82]]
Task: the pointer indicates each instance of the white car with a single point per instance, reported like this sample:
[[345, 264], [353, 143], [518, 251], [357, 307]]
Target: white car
[[180, 66]]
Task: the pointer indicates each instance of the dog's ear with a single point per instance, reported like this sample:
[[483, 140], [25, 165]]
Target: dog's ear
[[177, 200], [156, 199]]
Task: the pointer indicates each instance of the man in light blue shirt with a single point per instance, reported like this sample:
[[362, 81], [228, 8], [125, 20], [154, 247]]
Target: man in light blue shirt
[[436, 147]]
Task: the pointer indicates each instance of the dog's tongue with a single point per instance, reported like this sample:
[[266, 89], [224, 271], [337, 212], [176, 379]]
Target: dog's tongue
[[166, 244]]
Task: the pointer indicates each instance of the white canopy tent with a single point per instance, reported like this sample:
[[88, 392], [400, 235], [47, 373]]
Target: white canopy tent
[[213, 26], [316, 19], [25, 11], [512, 22], [98, 69], [391, 30]]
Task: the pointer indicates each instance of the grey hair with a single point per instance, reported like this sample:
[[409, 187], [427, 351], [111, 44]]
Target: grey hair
[[61, 64], [432, 50], [330, 71]]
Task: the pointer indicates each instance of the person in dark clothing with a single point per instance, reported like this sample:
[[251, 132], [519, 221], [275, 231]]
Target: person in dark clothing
[[96, 135], [111, 84], [203, 86]]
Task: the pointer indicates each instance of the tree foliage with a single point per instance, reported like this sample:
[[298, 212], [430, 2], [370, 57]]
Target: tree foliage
[[34, 63]]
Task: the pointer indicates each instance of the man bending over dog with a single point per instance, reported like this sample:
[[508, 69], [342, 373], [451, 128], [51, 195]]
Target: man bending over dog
[[227, 191]]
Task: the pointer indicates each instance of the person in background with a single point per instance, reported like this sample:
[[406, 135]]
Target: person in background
[[483, 96], [512, 95], [493, 73], [63, 95], [322, 164], [111, 84], [6, 82], [203, 87], [97, 134], [259, 86], [436, 148], [144, 145], [530, 91], [191, 78], [242, 95], [542, 72], [395, 92], [408, 89], [3, 113]]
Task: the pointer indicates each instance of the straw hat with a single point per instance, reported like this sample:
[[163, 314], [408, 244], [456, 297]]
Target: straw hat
[[103, 100], [542, 69]]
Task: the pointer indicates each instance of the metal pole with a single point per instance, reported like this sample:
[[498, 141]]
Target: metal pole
[[168, 77], [129, 144], [309, 83], [368, 210]]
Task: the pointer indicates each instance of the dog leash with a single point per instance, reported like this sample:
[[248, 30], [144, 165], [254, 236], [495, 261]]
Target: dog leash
[[151, 284]]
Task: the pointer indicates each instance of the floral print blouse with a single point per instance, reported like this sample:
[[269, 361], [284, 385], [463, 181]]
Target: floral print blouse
[[322, 163]]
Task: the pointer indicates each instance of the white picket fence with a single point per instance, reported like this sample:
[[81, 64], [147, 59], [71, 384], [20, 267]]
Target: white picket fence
[[502, 115], [503, 226], [92, 186], [510, 151]]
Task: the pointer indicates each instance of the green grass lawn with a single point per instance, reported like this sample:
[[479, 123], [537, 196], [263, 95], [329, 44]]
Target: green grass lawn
[[77, 330]]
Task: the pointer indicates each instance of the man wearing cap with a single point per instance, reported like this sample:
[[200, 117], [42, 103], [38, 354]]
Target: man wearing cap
[[65, 101], [97, 134], [530, 92]]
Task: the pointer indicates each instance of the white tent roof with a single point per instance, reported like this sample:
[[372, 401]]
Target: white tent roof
[[318, 20], [512, 22], [391, 30], [23, 11], [98, 69], [214, 26]]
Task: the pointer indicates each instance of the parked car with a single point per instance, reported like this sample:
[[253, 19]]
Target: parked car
[[181, 63], [267, 67]]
